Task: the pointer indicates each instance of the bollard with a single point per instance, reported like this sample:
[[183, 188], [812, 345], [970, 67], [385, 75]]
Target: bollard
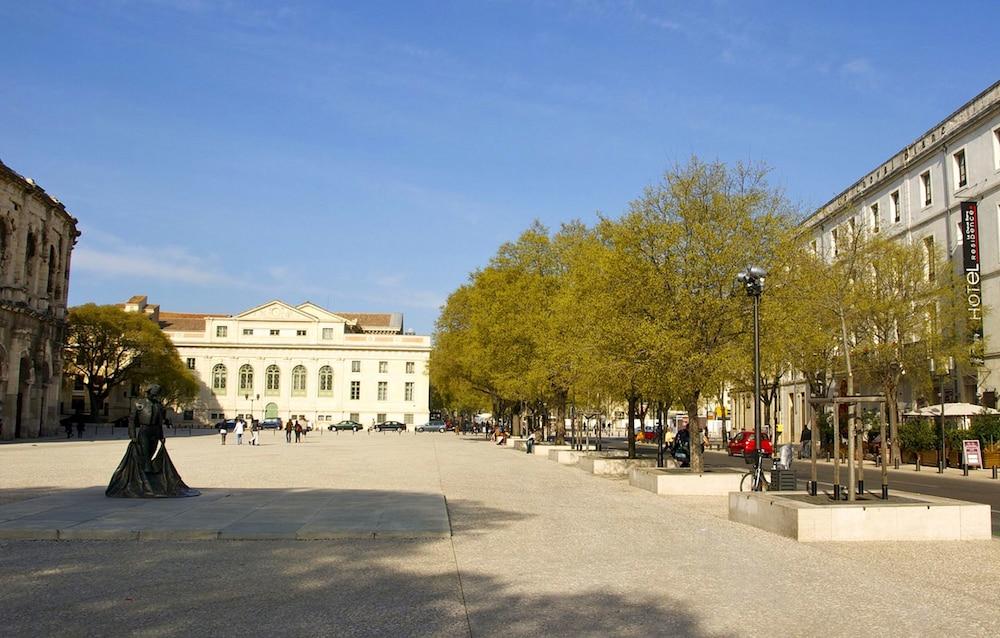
[[917, 467], [885, 492], [965, 469], [812, 488], [836, 492], [994, 472], [940, 467], [861, 488], [896, 464]]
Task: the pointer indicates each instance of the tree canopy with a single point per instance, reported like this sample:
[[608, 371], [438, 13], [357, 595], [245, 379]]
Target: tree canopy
[[108, 347]]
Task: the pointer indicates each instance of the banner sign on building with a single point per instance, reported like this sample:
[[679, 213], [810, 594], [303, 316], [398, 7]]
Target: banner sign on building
[[972, 454], [973, 279]]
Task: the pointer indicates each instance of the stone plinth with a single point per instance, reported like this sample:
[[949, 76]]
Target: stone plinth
[[513, 440], [542, 451], [905, 517], [570, 457], [611, 466], [675, 481]]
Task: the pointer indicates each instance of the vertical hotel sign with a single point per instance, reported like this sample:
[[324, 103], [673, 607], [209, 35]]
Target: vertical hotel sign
[[973, 279]]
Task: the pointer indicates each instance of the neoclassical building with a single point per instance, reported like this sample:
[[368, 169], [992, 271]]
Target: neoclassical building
[[37, 236], [278, 360], [941, 191]]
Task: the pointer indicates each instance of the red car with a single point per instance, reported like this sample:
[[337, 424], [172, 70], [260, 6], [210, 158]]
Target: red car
[[743, 444]]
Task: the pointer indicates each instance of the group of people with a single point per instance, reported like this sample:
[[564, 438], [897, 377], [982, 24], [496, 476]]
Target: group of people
[[241, 427], [294, 426]]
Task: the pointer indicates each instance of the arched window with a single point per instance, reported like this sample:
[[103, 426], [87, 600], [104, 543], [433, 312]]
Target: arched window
[[246, 378], [272, 380], [326, 381], [50, 280], [219, 378], [299, 380], [29, 258]]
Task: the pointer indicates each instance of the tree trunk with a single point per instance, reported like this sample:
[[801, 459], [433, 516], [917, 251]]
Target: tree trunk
[[694, 431], [561, 423], [630, 432], [97, 398], [893, 408]]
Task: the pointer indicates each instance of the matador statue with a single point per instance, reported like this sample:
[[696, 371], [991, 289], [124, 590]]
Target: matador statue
[[146, 470]]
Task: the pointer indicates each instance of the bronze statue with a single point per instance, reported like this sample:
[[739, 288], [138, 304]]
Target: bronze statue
[[146, 470]]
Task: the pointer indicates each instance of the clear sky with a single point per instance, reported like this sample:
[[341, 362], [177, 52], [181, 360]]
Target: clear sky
[[368, 155]]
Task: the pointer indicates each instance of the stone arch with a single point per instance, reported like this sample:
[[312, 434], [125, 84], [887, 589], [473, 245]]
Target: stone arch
[[29, 257], [23, 405], [50, 278]]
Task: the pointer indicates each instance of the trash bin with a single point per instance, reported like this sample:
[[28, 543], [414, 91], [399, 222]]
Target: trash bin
[[783, 481]]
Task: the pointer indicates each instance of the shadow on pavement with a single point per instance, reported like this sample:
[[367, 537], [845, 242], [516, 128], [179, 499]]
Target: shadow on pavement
[[340, 588]]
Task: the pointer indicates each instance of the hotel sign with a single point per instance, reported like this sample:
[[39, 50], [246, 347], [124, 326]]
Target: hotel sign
[[973, 279]]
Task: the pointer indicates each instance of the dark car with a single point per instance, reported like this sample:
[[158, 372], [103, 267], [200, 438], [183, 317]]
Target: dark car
[[432, 426], [389, 425], [743, 444], [345, 425], [271, 424], [229, 424]]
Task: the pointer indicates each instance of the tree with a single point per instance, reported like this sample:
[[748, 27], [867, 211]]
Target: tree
[[107, 347], [906, 306], [721, 219]]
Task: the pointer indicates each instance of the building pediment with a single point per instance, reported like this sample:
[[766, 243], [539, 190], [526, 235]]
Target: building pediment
[[275, 310], [321, 314]]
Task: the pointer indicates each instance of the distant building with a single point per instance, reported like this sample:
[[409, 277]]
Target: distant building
[[281, 361], [916, 196], [37, 236]]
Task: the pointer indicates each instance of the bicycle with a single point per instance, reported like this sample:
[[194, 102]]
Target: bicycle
[[755, 479]]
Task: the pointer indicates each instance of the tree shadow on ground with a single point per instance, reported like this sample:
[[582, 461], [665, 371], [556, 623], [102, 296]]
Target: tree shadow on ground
[[341, 588]]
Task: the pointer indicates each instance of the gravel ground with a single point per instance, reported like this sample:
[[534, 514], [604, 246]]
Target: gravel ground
[[537, 549]]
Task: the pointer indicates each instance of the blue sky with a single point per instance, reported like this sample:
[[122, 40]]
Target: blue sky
[[368, 155]]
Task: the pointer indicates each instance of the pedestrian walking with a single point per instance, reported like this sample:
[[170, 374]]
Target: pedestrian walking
[[805, 440], [288, 431], [254, 434], [239, 431], [298, 431], [223, 432]]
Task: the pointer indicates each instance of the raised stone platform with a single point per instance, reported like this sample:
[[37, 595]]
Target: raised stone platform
[[674, 481], [571, 457], [904, 517], [602, 465], [226, 514]]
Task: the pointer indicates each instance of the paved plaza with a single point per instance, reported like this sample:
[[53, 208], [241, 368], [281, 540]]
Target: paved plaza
[[535, 548]]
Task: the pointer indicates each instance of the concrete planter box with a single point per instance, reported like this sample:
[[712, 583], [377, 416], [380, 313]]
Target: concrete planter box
[[571, 457], [611, 466], [513, 441], [542, 451], [905, 517], [674, 481]]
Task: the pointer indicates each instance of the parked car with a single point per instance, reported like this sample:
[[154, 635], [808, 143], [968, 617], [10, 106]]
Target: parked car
[[743, 444], [432, 426], [389, 425], [354, 426], [229, 424], [272, 424]]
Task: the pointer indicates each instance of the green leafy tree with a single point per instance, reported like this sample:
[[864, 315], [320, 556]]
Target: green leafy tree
[[108, 347]]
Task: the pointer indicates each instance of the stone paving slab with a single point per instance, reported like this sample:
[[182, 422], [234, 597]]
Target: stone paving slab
[[229, 514]]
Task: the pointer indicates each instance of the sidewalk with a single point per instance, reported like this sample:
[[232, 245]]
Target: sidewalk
[[536, 549]]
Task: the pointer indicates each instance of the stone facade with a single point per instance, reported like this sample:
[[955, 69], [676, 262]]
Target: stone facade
[[915, 197], [37, 236], [278, 360]]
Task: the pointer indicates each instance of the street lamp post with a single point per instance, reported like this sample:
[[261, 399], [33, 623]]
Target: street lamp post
[[753, 282], [949, 366]]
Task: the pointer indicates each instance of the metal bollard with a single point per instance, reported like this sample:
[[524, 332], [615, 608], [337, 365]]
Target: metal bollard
[[965, 469], [896, 464], [812, 488], [994, 472], [861, 488], [885, 492], [836, 492]]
